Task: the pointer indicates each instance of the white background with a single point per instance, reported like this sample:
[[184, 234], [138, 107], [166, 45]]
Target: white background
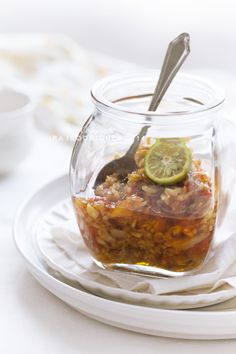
[[135, 30], [31, 319]]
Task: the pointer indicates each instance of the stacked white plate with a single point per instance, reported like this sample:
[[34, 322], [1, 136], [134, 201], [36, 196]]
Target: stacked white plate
[[208, 322]]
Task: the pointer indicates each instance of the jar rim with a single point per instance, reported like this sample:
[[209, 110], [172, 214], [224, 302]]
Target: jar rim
[[98, 89]]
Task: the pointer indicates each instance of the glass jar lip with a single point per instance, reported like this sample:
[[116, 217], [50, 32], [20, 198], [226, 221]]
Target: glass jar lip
[[97, 93]]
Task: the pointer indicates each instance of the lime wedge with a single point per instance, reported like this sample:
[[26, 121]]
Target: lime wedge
[[168, 161]]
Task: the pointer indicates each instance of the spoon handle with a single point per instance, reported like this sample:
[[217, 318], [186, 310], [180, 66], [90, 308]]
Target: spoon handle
[[177, 52]]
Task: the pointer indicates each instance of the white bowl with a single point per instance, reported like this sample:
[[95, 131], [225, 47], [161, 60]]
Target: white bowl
[[16, 127]]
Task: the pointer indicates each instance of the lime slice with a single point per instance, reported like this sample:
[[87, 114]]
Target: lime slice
[[168, 161]]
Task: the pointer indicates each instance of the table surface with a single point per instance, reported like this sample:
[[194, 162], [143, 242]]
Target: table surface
[[34, 321]]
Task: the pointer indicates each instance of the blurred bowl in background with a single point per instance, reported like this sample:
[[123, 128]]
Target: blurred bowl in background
[[16, 127]]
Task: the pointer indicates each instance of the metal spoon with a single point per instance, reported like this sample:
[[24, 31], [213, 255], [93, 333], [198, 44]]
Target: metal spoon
[[177, 52]]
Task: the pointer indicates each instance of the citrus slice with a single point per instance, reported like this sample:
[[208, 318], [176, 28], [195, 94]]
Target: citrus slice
[[168, 161]]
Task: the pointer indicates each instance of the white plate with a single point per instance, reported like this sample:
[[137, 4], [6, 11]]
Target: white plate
[[215, 322], [62, 214]]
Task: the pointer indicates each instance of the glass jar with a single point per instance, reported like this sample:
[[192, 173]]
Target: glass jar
[[135, 223]]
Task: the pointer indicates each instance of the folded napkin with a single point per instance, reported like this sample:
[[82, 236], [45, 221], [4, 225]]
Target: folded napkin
[[218, 271]]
